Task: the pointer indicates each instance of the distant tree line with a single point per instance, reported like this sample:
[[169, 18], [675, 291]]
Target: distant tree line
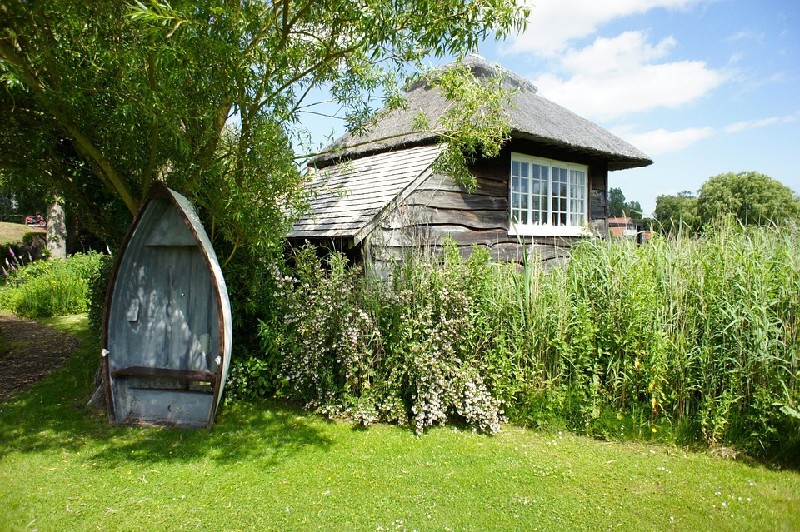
[[752, 198], [618, 206]]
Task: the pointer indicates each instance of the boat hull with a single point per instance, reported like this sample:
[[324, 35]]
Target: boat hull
[[167, 328]]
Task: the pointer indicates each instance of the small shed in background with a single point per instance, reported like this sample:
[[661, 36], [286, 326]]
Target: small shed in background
[[375, 196]]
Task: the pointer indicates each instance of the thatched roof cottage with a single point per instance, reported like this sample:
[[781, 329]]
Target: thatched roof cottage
[[376, 195]]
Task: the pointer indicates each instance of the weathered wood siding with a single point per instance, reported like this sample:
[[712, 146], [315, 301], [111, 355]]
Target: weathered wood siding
[[439, 208]]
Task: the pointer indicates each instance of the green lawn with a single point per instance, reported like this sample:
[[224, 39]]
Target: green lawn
[[11, 233], [272, 467]]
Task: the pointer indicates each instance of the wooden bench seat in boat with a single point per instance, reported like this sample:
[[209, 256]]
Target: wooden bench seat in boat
[[166, 373]]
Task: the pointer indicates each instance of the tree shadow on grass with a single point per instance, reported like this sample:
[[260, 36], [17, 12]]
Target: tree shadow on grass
[[52, 417], [267, 433]]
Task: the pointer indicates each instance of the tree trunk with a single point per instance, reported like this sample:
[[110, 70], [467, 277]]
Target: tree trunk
[[56, 231]]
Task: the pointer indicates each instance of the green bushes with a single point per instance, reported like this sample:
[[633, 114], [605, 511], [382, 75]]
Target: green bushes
[[693, 339], [50, 288], [97, 286]]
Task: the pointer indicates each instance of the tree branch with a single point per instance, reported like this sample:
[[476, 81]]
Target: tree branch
[[148, 176], [82, 142]]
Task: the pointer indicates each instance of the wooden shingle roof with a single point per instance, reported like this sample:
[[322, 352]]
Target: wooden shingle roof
[[350, 197]]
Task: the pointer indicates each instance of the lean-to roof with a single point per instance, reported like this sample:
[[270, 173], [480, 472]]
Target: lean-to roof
[[350, 197]]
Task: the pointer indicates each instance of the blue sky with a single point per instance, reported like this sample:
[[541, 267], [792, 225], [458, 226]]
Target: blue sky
[[701, 86]]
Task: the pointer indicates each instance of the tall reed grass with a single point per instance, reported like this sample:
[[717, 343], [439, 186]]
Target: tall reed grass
[[697, 334], [696, 338]]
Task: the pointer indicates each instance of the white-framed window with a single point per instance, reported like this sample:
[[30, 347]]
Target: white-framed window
[[547, 197]]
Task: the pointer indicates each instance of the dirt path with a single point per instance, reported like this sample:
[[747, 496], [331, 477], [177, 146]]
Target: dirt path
[[29, 351]]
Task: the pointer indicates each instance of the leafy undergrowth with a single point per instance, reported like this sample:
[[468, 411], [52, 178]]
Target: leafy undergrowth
[[268, 466]]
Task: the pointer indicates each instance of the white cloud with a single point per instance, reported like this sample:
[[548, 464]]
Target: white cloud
[[661, 141], [735, 58], [553, 24], [616, 54], [745, 35], [744, 125], [616, 76]]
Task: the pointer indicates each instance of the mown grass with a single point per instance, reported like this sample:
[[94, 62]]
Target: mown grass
[[268, 466], [11, 233]]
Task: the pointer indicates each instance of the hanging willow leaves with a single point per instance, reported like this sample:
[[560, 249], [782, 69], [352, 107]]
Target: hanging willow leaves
[[209, 95]]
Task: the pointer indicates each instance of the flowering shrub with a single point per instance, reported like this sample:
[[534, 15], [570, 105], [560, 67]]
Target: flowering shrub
[[375, 351], [428, 312], [329, 342]]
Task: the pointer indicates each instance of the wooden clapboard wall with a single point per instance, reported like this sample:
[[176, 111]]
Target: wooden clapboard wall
[[438, 208]]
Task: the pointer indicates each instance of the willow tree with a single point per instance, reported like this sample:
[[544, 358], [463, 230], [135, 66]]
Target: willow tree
[[752, 198], [103, 98], [677, 213]]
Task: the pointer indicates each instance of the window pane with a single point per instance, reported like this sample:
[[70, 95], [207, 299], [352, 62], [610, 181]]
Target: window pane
[[515, 186], [558, 206], [524, 200], [539, 194], [577, 195], [545, 194]]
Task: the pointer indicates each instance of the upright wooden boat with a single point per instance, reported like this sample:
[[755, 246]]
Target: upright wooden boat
[[167, 326]]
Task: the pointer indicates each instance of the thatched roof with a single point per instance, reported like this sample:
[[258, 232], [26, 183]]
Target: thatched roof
[[531, 116]]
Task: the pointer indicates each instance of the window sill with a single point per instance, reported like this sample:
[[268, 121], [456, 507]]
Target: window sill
[[547, 230]]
